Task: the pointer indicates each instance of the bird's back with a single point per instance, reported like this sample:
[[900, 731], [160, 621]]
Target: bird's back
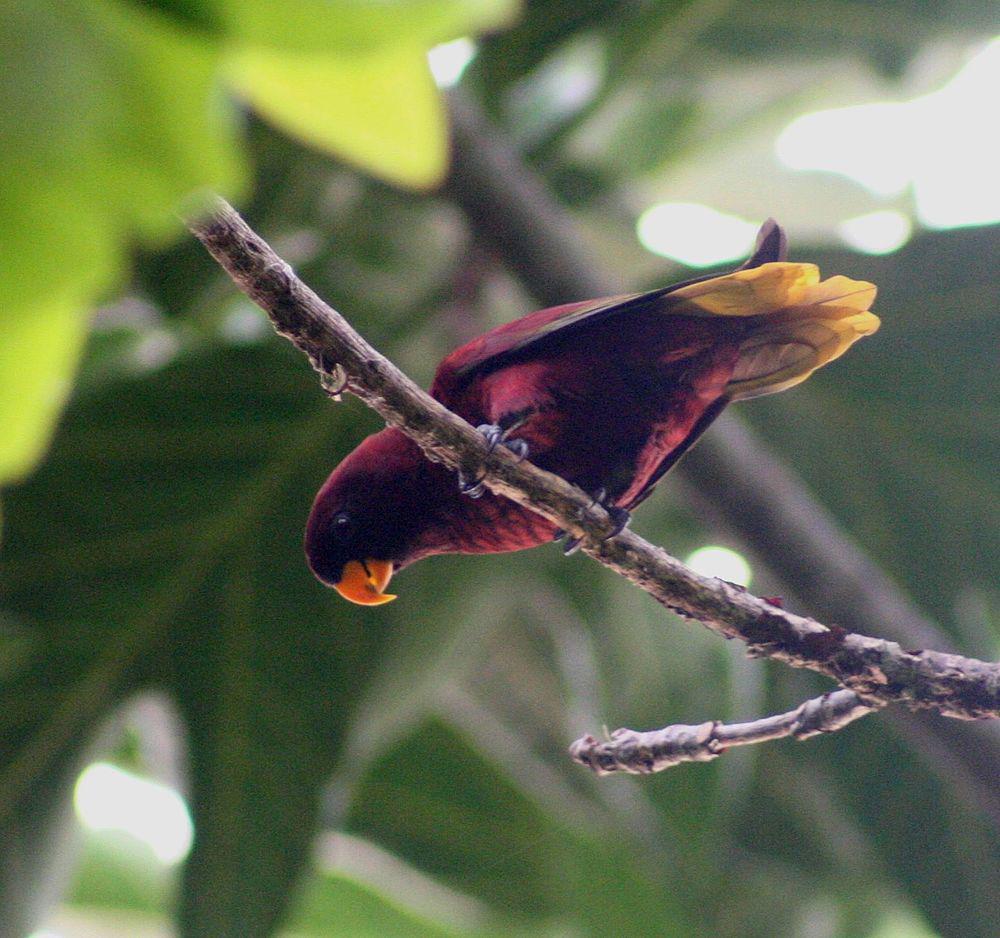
[[610, 393]]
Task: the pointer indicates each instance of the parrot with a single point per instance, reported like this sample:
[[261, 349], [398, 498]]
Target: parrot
[[606, 393]]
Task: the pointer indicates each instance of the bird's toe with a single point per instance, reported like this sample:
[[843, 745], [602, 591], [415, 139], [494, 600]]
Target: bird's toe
[[571, 545], [492, 433], [620, 519], [518, 447], [474, 488]]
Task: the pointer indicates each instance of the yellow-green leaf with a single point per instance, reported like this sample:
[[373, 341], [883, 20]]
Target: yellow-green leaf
[[358, 27], [110, 115], [39, 349], [380, 111]]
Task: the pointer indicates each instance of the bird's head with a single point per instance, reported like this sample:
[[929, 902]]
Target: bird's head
[[343, 554], [362, 524]]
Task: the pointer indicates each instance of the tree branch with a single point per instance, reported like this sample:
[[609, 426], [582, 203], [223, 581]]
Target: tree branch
[[877, 671], [509, 206], [764, 505], [643, 753]]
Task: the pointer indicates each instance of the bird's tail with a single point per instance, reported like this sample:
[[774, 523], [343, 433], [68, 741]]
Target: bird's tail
[[801, 322]]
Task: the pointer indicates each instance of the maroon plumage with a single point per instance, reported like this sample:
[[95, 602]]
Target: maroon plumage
[[608, 394]]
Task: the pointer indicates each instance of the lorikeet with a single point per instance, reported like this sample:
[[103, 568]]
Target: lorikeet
[[607, 393]]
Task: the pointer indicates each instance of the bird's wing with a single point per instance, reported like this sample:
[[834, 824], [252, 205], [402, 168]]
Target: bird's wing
[[496, 347], [803, 322], [670, 460]]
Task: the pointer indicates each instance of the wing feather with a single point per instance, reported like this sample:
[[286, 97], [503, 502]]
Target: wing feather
[[491, 350], [803, 322]]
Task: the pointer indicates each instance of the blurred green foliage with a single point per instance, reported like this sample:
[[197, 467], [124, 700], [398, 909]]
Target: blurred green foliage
[[158, 546], [115, 111]]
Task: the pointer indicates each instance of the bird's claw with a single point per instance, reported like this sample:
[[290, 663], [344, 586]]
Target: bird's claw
[[619, 516], [474, 488], [492, 433], [572, 544], [518, 447], [495, 436], [620, 519]]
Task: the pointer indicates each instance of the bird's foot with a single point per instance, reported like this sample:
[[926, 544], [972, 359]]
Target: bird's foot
[[495, 436], [619, 519], [474, 488]]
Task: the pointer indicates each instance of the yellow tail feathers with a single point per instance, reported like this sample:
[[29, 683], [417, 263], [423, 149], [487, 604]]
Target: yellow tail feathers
[[804, 322]]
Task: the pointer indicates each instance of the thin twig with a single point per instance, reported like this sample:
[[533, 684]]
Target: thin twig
[[643, 753], [877, 670]]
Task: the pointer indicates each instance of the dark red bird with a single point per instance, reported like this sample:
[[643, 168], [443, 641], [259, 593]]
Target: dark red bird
[[606, 393]]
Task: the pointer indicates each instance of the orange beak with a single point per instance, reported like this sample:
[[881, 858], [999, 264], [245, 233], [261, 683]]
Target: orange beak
[[363, 581]]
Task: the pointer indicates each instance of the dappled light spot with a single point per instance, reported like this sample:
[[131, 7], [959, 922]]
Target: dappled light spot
[[695, 235], [721, 562], [943, 146], [876, 232], [155, 349], [450, 59], [868, 143], [245, 324], [109, 798]]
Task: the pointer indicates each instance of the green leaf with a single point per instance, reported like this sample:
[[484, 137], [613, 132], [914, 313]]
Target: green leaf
[[380, 111], [187, 572], [116, 873], [109, 118], [412, 803], [334, 905], [440, 801], [356, 82], [352, 28], [113, 114], [39, 350]]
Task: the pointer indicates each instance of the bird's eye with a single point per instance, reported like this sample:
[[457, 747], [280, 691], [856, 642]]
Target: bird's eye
[[341, 523]]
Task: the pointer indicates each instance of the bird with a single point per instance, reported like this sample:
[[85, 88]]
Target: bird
[[606, 393]]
